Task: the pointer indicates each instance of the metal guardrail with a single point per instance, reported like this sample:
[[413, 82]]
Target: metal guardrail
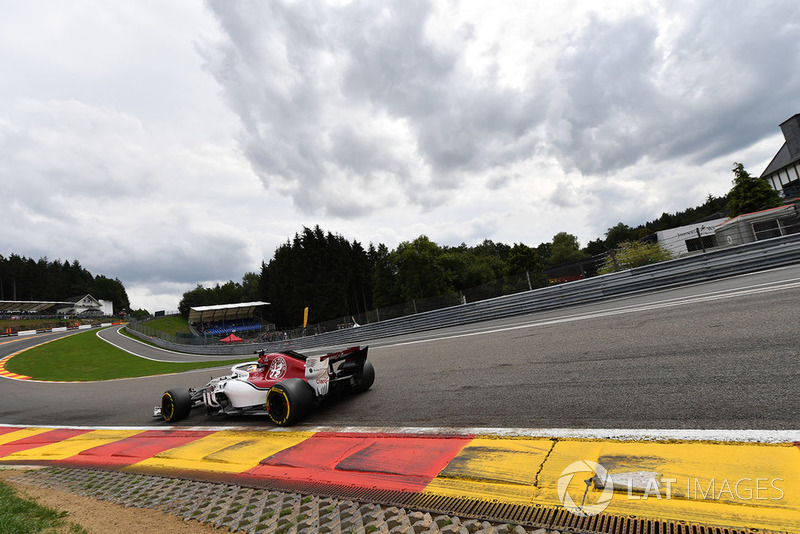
[[710, 265]]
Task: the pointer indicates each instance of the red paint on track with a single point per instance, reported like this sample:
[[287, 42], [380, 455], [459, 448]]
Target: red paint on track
[[371, 460]]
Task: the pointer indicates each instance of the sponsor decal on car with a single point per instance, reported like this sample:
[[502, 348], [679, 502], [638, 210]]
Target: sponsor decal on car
[[277, 368]]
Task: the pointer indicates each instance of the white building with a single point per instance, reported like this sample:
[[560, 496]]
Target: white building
[[690, 238], [88, 305]]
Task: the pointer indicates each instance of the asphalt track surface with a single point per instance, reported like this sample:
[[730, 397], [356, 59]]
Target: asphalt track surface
[[719, 355]]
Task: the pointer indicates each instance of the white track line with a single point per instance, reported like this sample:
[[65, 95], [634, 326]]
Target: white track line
[[616, 434], [669, 303]]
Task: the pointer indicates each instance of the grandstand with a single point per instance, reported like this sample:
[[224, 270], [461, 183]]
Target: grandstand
[[225, 319], [8, 307]]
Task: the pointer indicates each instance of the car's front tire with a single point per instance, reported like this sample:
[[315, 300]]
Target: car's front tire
[[176, 404], [289, 401]]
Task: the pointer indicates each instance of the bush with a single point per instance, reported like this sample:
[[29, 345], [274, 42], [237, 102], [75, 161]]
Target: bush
[[632, 254]]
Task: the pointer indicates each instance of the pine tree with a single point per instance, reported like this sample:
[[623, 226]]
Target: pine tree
[[750, 194]]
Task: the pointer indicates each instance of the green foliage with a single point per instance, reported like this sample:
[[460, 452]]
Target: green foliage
[[228, 293], [565, 248], [750, 194], [385, 290], [595, 247], [172, 324], [113, 290], [23, 516], [713, 207], [140, 314], [324, 272], [522, 259], [85, 357], [619, 234], [25, 279], [420, 268], [632, 254]]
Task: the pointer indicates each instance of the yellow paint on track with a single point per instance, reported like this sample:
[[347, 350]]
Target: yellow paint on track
[[21, 434], [741, 485], [224, 452], [494, 468], [67, 448], [738, 485], [8, 374]]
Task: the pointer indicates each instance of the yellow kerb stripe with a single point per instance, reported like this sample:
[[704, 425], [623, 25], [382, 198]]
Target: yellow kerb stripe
[[225, 451]]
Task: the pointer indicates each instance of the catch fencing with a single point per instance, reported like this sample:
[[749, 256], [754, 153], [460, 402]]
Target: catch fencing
[[712, 264]]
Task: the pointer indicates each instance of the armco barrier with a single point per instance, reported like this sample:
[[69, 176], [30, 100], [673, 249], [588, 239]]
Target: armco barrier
[[711, 265]]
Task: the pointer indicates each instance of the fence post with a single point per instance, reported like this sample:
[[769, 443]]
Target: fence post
[[700, 237]]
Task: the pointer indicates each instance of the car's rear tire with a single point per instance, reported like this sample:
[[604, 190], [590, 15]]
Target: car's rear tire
[[366, 378], [289, 401], [176, 404]]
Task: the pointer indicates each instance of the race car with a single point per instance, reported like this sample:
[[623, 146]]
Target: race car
[[285, 385]]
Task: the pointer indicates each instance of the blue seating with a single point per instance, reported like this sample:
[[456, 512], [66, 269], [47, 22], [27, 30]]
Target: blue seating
[[221, 328]]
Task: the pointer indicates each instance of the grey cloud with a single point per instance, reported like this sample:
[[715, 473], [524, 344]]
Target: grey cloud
[[340, 104], [724, 81], [310, 83], [70, 158], [390, 60], [607, 78], [566, 195]]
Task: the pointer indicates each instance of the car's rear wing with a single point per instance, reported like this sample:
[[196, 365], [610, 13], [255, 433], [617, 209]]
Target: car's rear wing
[[355, 355]]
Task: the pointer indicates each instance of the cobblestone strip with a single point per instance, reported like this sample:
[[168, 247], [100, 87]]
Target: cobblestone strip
[[254, 510]]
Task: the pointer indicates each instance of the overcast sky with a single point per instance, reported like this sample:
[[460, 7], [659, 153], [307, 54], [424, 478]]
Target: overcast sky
[[171, 143]]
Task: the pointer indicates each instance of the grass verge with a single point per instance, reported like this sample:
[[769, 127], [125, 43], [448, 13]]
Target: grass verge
[[172, 324], [23, 516], [86, 357]]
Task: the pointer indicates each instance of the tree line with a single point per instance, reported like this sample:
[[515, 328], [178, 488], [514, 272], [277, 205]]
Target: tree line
[[337, 277], [24, 278]]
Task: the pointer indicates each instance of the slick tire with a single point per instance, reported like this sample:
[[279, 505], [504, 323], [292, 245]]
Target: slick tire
[[365, 380], [289, 401], [176, 404]]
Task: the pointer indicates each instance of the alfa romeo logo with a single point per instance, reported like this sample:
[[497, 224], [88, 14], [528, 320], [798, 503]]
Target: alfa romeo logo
[[277, 368], [586, 470]]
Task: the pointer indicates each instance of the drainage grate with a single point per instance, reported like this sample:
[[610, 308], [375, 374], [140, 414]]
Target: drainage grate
[[259, 505], [549, 517], [556, 517]]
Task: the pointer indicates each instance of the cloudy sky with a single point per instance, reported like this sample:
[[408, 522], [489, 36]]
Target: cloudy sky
[[174, 142]]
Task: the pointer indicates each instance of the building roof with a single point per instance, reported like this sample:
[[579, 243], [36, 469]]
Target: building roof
[[75, 300], [782, 159], [223, 312], [28, 305], [789, 153], [767, 213]]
